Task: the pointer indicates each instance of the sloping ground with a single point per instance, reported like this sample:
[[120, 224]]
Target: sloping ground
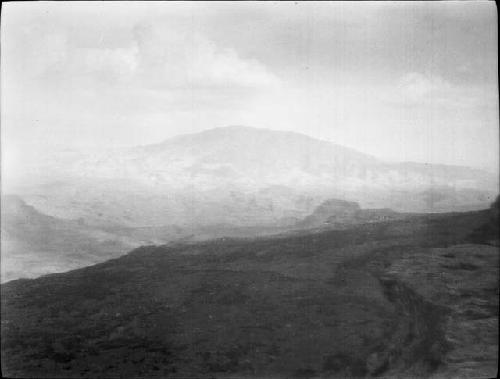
[[34, 244], [449, 297], [388, 299]]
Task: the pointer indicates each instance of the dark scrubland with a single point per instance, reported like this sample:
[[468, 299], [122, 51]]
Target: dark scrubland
[[416, 297]]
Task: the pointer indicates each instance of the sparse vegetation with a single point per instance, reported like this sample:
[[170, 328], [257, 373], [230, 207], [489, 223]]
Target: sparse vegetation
[[372, 300]]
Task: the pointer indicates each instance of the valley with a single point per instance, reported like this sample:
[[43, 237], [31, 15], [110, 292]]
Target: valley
[[72, 209], [243, 176]]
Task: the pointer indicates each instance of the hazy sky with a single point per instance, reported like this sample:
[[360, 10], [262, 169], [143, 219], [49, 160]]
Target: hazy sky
[[402, 81]]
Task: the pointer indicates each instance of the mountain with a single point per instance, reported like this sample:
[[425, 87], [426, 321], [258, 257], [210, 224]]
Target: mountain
[[259, 158], [245, 177], [401, 298], [80, 208]]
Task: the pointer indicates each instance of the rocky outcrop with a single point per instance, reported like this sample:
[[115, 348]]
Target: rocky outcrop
[[336, 213]]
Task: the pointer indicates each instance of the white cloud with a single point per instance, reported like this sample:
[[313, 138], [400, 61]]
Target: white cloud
[[212, 66], [432, 92], [187, 59], [416, 86], [154, 57], [120, 61]]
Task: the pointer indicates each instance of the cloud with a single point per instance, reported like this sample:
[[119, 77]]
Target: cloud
[[188, 59], [434, 93], [416, 86], [155, 57], [118, 61], [223, 67]]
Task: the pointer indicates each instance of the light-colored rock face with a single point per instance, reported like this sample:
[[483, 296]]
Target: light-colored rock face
[[242, 175]]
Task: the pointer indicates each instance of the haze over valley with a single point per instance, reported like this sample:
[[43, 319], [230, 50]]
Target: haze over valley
[[222, 179]]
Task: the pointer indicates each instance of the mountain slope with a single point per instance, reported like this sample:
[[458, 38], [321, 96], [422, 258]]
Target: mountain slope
[[34, 244], [244, 176], [260, 157], [407, 298]]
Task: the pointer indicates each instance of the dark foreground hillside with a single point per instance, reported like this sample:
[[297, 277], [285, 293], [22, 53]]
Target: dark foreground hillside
[[415, 297]]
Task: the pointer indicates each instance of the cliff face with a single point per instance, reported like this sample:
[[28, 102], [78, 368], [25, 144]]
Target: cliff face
[[339, 213]]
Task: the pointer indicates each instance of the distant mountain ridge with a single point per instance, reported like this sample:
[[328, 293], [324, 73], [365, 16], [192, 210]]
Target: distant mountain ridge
[[259, 157], [244, 176]]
